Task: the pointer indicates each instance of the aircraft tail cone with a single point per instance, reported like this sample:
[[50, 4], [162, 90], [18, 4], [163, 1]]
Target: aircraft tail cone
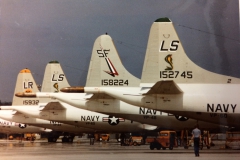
[[23, 94], [73, 89]]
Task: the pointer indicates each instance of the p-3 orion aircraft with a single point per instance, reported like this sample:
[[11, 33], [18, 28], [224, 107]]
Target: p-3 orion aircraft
[[172, 83]]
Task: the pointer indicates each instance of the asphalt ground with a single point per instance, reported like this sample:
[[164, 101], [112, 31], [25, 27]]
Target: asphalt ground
[[81, 149]]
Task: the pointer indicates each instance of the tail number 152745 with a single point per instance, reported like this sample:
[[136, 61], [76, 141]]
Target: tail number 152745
[[176, 74]]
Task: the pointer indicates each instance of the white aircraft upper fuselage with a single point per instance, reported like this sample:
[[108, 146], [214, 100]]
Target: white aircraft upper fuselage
[[216, 103], [127, 111]]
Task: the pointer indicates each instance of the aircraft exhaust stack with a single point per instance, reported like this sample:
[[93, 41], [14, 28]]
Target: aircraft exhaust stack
[[73, 89], [23, 94]]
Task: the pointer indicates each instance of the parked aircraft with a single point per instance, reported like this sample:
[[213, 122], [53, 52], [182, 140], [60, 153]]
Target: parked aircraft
[[172, 83], [53, 110], [106, 69], [25, 82], [57, 129], [9, 127]]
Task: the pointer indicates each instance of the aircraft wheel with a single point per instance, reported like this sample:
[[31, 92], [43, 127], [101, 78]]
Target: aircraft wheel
[[64, 139], [151, 146], [70, 140], [50, 139], [54, 139]]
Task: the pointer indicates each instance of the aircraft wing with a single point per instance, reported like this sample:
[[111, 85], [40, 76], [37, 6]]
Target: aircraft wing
[[164, 87], [14, 112], [53, 106], [100, 96]]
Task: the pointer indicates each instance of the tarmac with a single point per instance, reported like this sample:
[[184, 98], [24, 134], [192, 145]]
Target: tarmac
[[81, 149]]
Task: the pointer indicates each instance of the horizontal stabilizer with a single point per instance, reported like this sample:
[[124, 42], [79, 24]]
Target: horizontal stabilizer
[[81, 90], [53, 106], [100, 96], [149, 127], [14, 112], [165, 87], [5, 107]]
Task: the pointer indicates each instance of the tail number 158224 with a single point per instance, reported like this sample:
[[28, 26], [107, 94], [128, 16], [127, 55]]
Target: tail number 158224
[[114, 82]]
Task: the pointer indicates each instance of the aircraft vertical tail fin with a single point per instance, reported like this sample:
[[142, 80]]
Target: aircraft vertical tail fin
[[25, 83], [106, 68], [54, 78], [166, 59]]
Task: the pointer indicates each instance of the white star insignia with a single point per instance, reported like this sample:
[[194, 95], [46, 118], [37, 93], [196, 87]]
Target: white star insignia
[[113, 120], [22, 125]]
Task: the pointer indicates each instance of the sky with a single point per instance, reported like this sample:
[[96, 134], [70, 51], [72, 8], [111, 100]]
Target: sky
[[35, 32]]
